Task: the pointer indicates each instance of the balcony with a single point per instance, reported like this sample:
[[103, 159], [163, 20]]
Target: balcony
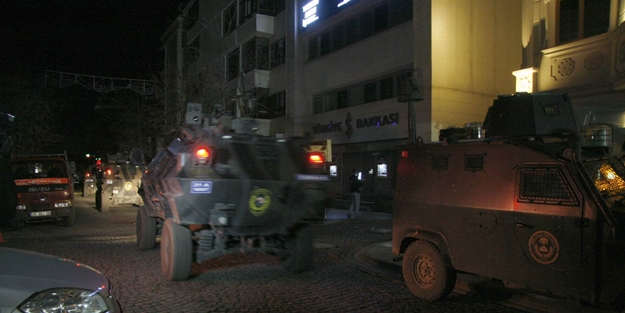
[[591, 65]]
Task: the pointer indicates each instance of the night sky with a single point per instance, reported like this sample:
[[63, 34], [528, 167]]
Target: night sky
[[114, 38]]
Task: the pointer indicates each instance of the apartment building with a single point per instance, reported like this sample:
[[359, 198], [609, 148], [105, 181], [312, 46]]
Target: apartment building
[[342, 70]]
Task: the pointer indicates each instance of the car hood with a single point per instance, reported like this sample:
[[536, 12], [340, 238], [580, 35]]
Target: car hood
[[23, 273]]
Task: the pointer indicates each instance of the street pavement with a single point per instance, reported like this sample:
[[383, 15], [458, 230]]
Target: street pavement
[[353, 270]]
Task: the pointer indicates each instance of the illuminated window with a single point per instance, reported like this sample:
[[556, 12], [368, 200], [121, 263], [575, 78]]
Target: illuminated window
[[333, 170], [579, 19], [382, 170]]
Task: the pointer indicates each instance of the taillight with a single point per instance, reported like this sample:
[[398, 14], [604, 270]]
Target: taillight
[[202, 156], [88, 175], [109, 171], [315, 158]]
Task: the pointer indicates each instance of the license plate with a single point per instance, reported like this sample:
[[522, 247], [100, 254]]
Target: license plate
[[42, 213], [109, 181]]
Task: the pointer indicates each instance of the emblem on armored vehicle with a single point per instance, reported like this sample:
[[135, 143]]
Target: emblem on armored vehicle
[[544, 247], [260, 199]]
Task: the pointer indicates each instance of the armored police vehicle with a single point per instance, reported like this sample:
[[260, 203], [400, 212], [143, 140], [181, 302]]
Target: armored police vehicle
[[211, 193], [119, 180], [531, 206]]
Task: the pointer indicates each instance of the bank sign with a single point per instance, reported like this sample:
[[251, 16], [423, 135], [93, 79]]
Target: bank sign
[[365, 127]]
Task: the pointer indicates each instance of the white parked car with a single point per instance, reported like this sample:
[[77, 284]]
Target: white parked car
[[37, 282]]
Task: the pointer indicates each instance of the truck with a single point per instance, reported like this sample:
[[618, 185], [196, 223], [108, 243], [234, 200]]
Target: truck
[[530, 206], [45, 189], [213, 192]]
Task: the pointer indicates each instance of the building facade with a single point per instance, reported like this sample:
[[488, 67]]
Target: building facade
[[578, 47], [364, 74]]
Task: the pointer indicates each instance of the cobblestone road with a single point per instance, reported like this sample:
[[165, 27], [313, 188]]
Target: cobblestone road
[[238, 282]]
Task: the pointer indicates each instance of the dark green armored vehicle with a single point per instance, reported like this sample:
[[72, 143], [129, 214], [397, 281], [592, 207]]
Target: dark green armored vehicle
[[210, 194]]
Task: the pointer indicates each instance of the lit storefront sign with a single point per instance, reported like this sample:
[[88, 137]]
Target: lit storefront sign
[[315, 10]]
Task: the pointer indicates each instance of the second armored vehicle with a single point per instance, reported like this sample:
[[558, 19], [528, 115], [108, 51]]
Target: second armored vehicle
[[209, 194]]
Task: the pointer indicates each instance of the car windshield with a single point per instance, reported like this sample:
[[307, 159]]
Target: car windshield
[[38, 169], [609, 178]]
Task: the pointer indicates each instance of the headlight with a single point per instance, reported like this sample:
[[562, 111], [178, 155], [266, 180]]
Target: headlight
[[65, 300]]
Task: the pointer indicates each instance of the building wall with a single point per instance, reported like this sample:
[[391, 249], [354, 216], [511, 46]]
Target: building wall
[[475, 49]]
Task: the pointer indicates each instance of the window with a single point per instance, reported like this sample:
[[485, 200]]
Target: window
[[232, 65], [278, 53], [229, 19], [371, 94], [544, 185], [318, 104], [381, 18], [367, 24], [474, 162], [579, 19], [272, 106], [440, 162], [313, 48], [338, 37], [271, 7], [246, 9], [325, 46], [399, 11], [352, 33], [386, 88], [255, 54], [342, 99]]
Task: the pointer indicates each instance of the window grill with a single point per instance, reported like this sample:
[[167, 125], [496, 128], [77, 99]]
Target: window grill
[[607, 174], [545, 185], [474, 162], [440, 162]]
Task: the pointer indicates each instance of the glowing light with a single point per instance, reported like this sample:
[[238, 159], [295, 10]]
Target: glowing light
[[315, 158]]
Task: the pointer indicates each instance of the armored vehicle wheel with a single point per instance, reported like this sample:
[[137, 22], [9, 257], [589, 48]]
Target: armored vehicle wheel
[[70, 220], [146, 229], [425, 272], [176, 251], [299, 251]]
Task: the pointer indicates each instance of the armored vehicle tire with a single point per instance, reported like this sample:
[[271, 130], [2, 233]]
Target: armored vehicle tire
[[299, 251], [146, 229], [176, 251], [425, 272], [70, 220]]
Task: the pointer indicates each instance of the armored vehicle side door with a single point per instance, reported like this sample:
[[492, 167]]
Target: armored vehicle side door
[[554, 228]]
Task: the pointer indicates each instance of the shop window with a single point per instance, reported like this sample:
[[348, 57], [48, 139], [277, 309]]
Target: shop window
[[371, 92], [386, 88], [578, 19]]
